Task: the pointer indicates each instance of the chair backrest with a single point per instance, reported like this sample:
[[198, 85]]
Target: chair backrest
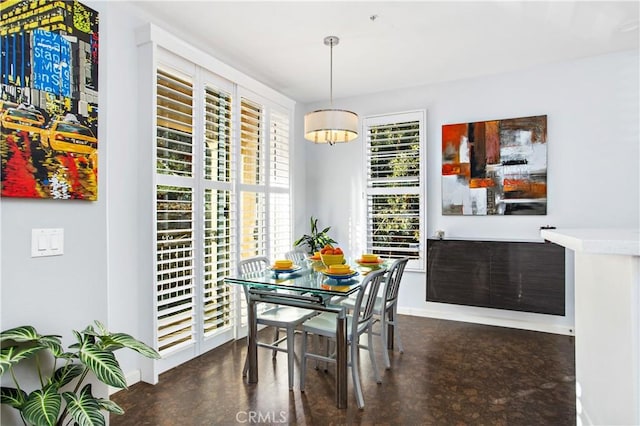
[[249, 266], [392, 281], [253, 264], [366, 300], [297, 256]]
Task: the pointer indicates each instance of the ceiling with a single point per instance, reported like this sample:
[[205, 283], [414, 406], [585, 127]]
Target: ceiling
[[394, 44]]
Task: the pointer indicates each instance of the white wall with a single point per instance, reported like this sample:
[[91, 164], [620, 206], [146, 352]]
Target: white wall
[[593, 168]]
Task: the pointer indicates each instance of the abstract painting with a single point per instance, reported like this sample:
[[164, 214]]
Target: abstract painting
[[48, 100], [495, 167]]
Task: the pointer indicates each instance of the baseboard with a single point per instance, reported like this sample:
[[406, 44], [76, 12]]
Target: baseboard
[[489, 320], [131, 378]]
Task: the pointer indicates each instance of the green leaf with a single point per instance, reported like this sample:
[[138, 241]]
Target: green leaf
[[11, 355], [110, 406], [42, 406], [25, 333], [84, 408], [123, 340], [69, 355], [83, 338], [103, 364], [67, 373], [103, 330], [53, 343], [90, 331], [13, 397]]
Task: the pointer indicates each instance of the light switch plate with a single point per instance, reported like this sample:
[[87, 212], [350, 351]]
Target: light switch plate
[[47, 242]]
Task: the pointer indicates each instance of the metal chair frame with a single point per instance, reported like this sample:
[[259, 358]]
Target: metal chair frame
[[357, 324], [385, 310], [279, 317]]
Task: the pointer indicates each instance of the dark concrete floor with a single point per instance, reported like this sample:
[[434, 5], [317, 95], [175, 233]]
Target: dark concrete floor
[[451, 373]]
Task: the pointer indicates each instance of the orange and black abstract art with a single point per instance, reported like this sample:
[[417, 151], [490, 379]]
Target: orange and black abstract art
[[495, 167]]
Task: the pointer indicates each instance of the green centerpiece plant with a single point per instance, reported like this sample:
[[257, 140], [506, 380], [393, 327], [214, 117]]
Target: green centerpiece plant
[[63, 397], [316, 239]]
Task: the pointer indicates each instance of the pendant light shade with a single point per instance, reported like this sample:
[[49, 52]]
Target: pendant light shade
[[331, 125]]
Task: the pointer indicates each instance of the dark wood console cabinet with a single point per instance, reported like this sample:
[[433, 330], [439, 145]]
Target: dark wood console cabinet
[[519, 276]]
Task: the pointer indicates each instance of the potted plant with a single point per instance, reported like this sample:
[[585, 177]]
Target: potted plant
[[59, 400], [317, 239]]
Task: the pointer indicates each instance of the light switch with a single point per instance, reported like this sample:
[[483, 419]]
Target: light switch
[[42, 242], [47, 242], [53, 242]]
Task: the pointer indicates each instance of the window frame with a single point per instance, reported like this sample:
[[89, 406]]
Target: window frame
[[415, 264], [158, 49]]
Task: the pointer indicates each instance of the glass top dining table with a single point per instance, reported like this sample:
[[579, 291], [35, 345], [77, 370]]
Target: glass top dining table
[[308, 286]]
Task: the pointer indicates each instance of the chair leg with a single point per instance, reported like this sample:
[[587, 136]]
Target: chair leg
[[355, 374], [384, 337], [245, 369], [372, 356], [327, 352], [303, 360], [290, 355], [277, 336], [315, 339], [396, 330]]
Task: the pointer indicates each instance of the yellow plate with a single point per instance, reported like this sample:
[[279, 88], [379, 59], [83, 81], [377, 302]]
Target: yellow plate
[[292, 269]]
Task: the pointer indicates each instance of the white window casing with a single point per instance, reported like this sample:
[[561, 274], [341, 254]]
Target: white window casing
[[395, 158], [215, 155]]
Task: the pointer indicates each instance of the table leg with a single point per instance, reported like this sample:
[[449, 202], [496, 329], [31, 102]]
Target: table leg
[[341, 360], [252, 349]]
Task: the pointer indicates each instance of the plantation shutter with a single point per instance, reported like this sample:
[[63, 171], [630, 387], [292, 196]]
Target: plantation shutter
[[251, 143], [218, 189], [280, 200], [175, 213], [395, 186], [253, 207], [219, 212], [264, 184]]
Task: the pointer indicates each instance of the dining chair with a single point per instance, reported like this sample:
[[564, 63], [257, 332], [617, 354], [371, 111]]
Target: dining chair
[[358, 323], [278, 317], [385, 309], [298, 256]]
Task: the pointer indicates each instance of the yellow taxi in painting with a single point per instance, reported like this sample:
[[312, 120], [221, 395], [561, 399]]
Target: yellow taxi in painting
[[7, 104], [21, 119], [69, 136]]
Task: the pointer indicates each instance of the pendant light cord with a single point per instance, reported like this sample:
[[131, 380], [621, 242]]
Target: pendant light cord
[[331, 41], [331, 75]]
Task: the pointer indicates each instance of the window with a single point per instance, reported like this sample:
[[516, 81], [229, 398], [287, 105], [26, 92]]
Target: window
[[214, 188], [264, 181], [265, 224], [395, 186], [219, 211], [174, 212], [222, 194]]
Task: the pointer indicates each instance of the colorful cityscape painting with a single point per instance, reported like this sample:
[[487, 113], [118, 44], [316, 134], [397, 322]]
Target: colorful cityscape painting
[[48, 99], [495, 167]]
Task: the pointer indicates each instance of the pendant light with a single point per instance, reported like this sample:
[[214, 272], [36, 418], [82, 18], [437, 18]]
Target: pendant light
[[331, 125]]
